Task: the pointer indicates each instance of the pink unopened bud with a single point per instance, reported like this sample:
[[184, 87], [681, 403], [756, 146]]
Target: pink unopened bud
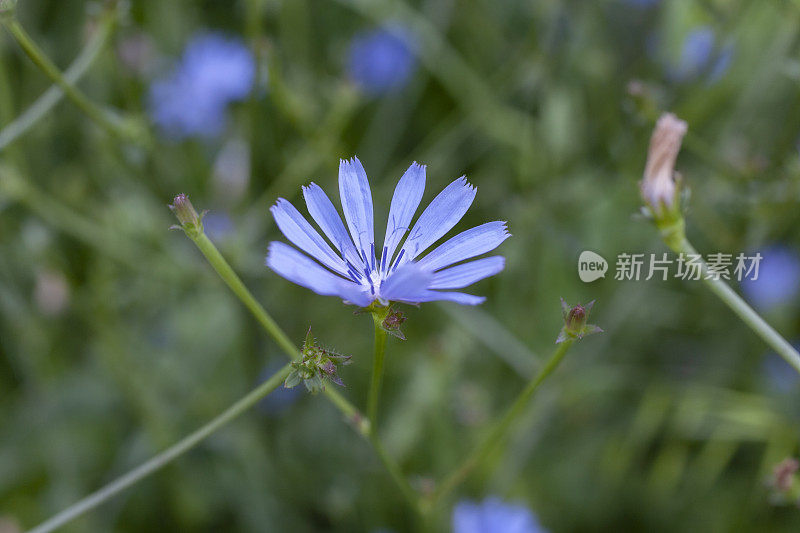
[[783, 474], [576, 318], [658, 186]]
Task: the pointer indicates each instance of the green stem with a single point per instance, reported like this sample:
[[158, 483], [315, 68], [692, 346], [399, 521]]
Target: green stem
[[102, 117], [53, 95], [361, 425], [164, 458], [500, 429], [740, 307], [377, 370]]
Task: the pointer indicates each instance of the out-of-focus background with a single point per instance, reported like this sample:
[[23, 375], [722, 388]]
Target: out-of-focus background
[[116, 337]]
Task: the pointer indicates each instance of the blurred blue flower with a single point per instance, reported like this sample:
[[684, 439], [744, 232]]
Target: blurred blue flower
[[381, 60], [780, 375], [696, 52], [281, 399], [641, 3], [218, 226], [494, 516], [701, 54], [354, 273], [722, 63], [778, 281], [192, 99]]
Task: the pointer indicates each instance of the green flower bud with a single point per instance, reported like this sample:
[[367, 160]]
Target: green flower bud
[[575, 317], [190, 221], [316, 366]]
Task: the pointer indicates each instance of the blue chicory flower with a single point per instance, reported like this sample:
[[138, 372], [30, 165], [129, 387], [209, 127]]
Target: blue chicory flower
[[778, 281], [192, 99], [696, 52], [722, 63], [354, 273], [218, 225], [494, 516], [700, 55], [381, 60]]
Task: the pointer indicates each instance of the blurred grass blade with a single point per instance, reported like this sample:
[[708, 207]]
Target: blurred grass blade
[[31, 116]]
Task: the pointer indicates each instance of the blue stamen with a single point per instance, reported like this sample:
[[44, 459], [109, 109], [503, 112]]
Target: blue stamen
[[397, 261]]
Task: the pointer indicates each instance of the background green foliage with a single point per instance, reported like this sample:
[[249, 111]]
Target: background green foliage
[[664, 423]]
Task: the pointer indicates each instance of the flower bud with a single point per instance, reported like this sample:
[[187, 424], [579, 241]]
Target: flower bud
[[658, 187], [784, 488], [316, 365], [575, 317], [190, 221], [784, 472], [391, 324]]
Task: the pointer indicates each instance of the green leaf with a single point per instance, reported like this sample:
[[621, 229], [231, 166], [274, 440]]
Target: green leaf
[[293, 379]]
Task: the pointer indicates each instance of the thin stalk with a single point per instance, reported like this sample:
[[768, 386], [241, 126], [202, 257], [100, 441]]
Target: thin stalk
[[377, 370], [102, 117], [164, 458], [500, 428], [352, 414], [53, 95], [235, 283], [746, 313]]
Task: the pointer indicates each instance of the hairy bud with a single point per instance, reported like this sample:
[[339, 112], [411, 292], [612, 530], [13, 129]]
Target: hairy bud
[[190, 221]]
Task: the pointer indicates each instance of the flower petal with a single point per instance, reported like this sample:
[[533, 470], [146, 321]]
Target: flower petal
[[325, 215], [457, 297], [467, 244], [405, 201], [297, 229], [406, 284], [357, 206], [304, 271], [460, 276], [439, 217]]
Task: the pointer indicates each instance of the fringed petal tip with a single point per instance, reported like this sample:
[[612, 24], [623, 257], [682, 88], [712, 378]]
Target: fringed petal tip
[[466, 183]]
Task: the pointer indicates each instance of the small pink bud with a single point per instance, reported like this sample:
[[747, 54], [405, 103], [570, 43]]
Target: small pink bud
[[658, 186]]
